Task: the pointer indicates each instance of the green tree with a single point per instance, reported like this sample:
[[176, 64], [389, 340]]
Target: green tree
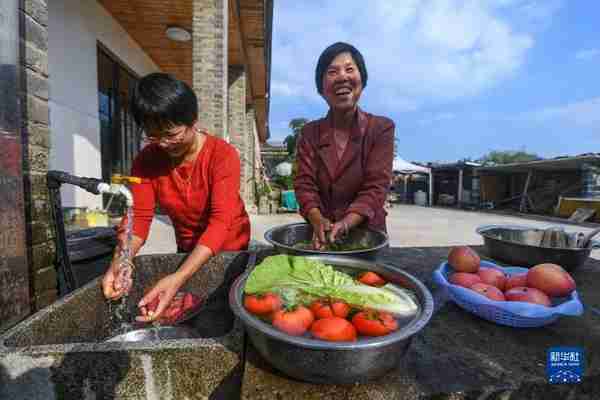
[[290, 141], [509, 157]]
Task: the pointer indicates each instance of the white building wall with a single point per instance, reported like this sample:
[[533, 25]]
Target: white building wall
[[74, 29]]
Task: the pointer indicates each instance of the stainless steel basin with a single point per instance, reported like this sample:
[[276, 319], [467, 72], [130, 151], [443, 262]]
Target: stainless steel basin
[[336, 362], [285, 237], [524, 246]]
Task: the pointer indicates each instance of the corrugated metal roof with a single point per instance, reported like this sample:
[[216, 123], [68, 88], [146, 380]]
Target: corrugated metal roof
[[455, 166], [563, 163]]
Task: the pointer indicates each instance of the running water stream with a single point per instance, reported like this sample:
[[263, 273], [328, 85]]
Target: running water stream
[[119, 312]]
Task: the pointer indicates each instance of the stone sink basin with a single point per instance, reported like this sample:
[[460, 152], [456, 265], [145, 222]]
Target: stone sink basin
[[60, 352]]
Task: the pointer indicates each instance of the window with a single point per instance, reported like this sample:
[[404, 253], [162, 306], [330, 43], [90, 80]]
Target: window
[[119, 141]]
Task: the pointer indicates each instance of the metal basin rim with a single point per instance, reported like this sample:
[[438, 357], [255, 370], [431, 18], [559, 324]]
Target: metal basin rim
[[484, 231], [269, 238]]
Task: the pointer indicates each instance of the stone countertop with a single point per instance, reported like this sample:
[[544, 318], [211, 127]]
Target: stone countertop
[[458, 355]]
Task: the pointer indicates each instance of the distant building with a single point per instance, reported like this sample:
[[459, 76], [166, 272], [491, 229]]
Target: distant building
[[555, 186], [454, 184], [273, 153]]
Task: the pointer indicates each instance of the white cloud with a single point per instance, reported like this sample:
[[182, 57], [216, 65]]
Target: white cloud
[[582, 113], [539, 10], [587, 54], [417, 52], [284, 89], [438, 117]]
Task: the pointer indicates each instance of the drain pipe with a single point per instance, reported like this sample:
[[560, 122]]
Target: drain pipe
[[54, 180]]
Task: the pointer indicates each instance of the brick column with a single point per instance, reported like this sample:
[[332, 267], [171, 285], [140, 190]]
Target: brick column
[[237, 119], [249, 164], [36, 147], [210, 63]]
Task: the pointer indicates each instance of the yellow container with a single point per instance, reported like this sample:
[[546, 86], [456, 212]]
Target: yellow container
[[568, 205]]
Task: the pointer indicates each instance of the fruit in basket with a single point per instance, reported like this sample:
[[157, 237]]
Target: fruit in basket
[[529, 295], [463, 259], [464, 279], [515, 281], [551, 279], [493, 277], [489, 291], [334, 329]]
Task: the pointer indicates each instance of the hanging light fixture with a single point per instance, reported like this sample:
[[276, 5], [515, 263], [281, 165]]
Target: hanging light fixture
[[178, 34]]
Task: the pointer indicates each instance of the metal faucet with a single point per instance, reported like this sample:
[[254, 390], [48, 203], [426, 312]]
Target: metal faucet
[[54, 180], [93, 185], [117, 188]]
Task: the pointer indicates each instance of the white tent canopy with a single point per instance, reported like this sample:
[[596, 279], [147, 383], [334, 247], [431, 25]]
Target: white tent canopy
[[403, 166]]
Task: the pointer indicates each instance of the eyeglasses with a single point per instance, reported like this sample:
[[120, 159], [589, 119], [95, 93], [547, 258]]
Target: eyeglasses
[[167, 137]]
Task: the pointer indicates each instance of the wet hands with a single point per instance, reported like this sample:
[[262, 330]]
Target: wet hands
[[321, 229], [325, 232], [164, 292], [338, 231], [117, 280]]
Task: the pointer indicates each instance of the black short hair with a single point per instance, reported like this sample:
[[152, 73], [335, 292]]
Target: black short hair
[[160, 101], [332, 52]]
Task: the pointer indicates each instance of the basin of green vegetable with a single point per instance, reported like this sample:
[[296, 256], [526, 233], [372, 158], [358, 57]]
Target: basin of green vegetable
[[296, 239], [330, 319]]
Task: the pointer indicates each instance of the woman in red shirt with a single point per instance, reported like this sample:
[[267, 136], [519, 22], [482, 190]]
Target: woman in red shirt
[[194, 178], [345, 159]]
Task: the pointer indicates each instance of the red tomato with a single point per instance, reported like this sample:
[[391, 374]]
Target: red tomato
[[190, 301], [374, 323], [325, 309], [340, 309], [176, 303], [262, 303], [293, 321], [371, 279], [172, 312], [153, 305], [334, 329]]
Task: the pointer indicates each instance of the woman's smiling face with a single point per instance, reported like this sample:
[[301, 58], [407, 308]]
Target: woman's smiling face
[[342, 83]]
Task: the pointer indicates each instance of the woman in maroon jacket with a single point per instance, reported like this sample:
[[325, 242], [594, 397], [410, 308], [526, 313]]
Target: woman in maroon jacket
[[345, 159]]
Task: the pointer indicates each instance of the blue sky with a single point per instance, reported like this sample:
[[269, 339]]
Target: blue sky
[[459, 78]]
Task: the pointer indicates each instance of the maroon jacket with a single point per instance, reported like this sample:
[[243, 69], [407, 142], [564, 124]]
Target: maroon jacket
[[359, 182]]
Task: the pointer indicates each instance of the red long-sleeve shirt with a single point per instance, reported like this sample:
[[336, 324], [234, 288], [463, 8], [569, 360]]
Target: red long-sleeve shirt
[[201, 197]]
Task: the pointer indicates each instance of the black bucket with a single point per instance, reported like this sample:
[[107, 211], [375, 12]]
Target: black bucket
[[90, 252]]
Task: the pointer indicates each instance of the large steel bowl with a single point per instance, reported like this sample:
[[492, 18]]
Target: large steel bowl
[[320, 361], [284, 237], [519, 245]]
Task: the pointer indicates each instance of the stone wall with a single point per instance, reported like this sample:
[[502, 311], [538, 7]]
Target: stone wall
[[210, 75], [249, 159], [36, 147], [237, 118]]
